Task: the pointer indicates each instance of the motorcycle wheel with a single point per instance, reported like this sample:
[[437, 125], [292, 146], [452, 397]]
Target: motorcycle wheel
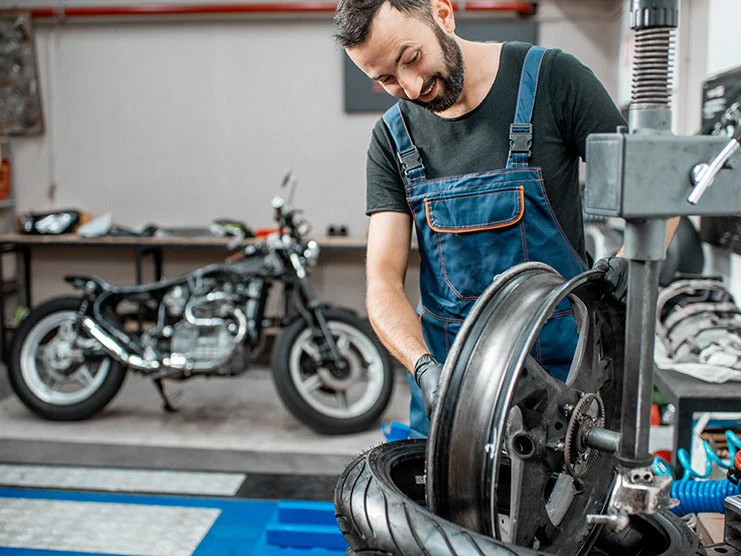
[[319, 398], [47, 369], [379, 506]]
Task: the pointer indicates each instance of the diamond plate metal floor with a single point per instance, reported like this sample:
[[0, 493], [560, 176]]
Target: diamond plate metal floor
[[58, 522], [121, 480], [103, 527]]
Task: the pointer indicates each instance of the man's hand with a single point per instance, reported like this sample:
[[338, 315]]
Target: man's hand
[[427, 372], [616, 276]]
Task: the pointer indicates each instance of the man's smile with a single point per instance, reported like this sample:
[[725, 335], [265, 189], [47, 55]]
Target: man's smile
[[429, 93]]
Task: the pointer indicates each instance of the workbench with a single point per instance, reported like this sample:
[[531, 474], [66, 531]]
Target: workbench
[[690, 395]]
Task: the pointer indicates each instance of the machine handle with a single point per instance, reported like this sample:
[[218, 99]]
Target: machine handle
[[703, 174]]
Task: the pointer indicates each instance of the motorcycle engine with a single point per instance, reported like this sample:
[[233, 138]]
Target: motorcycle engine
[[207, 330], [200, 343]]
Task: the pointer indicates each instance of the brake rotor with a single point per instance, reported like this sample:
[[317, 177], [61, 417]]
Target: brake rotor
[[498, 404]]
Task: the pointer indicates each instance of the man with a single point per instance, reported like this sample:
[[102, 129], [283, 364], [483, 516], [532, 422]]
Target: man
[[488, 175]]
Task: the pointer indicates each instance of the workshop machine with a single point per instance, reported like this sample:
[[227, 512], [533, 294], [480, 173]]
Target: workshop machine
[[517, 461]]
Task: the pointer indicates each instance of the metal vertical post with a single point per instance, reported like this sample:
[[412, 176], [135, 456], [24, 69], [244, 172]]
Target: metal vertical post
[[639, 361], [653, 22]]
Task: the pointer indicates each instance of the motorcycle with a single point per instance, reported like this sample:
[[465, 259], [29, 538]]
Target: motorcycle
[[70, 355]]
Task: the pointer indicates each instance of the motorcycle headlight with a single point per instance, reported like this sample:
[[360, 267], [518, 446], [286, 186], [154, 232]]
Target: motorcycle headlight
[[311, 253]]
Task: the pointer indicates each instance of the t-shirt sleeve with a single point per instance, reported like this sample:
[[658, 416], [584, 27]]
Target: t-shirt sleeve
[[384, 187], [581, 103]]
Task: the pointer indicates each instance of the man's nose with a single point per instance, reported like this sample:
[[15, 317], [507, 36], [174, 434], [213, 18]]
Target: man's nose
[[412, 84]]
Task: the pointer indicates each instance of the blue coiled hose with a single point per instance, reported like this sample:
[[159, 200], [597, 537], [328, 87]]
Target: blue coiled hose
[[701, 496]]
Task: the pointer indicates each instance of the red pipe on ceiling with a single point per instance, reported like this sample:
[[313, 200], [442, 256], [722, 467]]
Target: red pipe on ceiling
[[520, 8]]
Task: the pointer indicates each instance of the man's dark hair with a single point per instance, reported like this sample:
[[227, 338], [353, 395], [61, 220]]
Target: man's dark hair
[[354, 18]]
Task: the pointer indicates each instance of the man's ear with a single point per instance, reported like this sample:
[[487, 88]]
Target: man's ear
[[442, 11]]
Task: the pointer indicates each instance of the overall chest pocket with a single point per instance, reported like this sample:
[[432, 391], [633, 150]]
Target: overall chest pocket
[[478, 235]]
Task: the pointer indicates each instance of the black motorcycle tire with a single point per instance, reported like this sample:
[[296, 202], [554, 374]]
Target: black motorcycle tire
[[84, 409], [379, 508], [297, 403]]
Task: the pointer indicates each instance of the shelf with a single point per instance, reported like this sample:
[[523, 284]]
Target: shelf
[[7, 203]]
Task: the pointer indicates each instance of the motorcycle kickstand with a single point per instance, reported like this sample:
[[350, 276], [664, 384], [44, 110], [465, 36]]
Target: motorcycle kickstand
[[166, 405]]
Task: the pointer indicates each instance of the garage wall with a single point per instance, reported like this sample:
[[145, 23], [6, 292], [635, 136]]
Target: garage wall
[[724, 48], [179, 123]]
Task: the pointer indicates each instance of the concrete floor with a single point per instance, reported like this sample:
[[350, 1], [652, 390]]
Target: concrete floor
[[232, 424]]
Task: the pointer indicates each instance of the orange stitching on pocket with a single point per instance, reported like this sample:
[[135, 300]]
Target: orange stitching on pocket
[[508, 222], [457, 178]]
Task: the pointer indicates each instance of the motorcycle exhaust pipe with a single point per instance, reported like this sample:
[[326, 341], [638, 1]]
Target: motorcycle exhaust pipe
[[115, 350], [171, 365]]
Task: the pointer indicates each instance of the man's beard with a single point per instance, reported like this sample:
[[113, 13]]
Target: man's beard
[[451, 84]]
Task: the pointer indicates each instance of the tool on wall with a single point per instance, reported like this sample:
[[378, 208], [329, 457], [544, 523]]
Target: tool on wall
[[20, 100]]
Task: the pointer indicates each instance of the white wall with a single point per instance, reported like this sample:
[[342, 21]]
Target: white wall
[[179, 123], [724, 46]]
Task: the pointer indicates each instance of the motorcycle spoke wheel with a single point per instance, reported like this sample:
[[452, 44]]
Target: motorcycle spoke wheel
[[324, 390], [52, 365], [498, 404]]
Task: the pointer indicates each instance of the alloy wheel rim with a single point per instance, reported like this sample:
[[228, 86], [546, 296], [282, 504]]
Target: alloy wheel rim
[[366, 368], [512, 405], [38, 370]]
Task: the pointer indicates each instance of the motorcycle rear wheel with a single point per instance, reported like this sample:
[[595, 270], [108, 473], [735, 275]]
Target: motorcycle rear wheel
[[45, 369], [325, 402]]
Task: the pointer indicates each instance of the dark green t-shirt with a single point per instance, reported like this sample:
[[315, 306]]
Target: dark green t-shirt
[[570, 103]]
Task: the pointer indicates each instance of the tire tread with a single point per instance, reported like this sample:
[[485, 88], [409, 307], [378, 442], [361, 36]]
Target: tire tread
[[366, 492]]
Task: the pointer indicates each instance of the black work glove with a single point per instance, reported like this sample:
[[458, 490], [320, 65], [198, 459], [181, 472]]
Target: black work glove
[[616, 276], [427, 372]]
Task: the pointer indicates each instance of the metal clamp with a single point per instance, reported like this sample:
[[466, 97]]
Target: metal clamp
[[636, 491]]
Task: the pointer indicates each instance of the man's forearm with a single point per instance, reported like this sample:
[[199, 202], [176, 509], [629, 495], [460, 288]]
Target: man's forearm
[[396, 324]]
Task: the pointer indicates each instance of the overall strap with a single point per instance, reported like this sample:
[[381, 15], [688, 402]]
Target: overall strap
[[408, 155], [521, 130]]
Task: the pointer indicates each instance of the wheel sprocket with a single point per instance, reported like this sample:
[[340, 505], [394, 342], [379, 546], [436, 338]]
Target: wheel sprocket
[[578, 457]]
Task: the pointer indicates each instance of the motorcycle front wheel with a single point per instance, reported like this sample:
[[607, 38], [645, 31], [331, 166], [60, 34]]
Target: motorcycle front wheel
[[328, 401], [56, 370]]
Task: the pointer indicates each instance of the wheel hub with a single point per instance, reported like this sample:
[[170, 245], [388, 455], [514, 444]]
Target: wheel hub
[[344, 379], [59, 355]]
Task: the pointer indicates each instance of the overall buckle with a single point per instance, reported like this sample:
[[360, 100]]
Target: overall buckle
[[410, 160], [520, 138]]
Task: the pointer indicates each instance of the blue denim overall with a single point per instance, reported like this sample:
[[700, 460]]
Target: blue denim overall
[[472, 227]]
